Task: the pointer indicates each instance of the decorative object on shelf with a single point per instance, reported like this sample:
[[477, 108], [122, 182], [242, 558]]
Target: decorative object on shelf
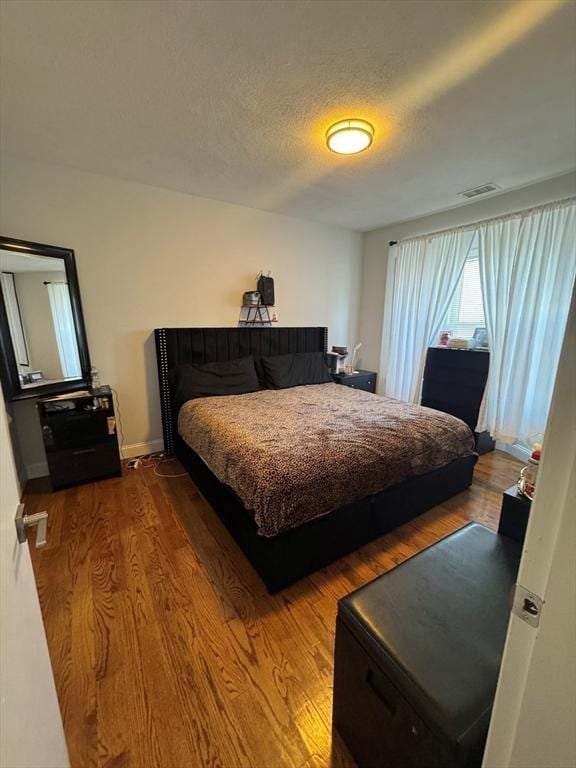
[[353, 359], [250, 299], [265, 287], [332, 360], [457, 344], [31, 377], [94, 378], [481, 338], [444, 338], [258, 306], [529, 473], [342, 353]]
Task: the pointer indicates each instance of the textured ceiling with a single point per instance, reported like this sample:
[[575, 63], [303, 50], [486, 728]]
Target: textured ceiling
[[230, 100]]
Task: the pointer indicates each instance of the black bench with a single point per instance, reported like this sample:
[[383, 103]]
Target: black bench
[[418, 652]]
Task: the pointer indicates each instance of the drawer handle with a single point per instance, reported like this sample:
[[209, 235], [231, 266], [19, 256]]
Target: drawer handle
[[378, 693], [85, 450]]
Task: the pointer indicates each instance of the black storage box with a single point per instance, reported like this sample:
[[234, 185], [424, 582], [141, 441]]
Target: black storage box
[[514, 514], [418, 652]]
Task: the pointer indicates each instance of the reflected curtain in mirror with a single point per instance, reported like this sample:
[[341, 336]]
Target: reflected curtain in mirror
[[14, 319], [64, 328]]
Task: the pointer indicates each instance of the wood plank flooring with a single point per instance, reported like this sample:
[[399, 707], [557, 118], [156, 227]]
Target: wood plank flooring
[[167, 650]]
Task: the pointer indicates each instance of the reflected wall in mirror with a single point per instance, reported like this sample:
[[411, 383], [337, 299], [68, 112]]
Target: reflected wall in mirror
[[41, 321]]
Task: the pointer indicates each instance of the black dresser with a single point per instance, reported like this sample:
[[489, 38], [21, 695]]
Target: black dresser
[[79, 433], [365, 380], [454, 382]]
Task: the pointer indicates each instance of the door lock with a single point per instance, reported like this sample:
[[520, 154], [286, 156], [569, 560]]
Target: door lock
[[39, 520], [527, 605]]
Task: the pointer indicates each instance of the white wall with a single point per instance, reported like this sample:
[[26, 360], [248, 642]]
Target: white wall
[[149, 257], [375, 253]]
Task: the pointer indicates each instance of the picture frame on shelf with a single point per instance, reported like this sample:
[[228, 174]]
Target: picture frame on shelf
[[481, 338]]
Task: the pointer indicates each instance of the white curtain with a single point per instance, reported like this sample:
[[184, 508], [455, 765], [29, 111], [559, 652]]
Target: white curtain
[[426, 273], [527, 268], [65, 329]]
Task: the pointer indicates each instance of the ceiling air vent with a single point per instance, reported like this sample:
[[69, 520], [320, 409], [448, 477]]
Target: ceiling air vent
[[483, 190]]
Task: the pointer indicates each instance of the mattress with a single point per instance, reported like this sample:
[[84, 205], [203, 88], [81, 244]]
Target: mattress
[[295, 454]]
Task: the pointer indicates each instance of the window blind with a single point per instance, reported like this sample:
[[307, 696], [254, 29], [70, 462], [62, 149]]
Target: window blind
[[466, 310]]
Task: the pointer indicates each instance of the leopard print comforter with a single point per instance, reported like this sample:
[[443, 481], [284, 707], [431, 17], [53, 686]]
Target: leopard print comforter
[[295, 454]]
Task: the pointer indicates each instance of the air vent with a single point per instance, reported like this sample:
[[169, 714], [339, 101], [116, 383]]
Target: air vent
[[483, 190]]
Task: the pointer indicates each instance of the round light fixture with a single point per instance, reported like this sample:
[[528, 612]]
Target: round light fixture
[[349, 136]]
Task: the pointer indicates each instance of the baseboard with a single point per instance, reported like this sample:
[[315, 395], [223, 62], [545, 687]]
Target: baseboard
[[141, 449], [519, 452]]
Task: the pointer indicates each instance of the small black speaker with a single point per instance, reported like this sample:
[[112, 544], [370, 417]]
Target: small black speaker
[[266, 289]]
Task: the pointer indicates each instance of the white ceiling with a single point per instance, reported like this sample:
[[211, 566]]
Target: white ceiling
[[231, 99]]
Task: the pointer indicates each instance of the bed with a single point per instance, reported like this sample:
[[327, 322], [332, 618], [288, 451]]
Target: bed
[[302, 476]]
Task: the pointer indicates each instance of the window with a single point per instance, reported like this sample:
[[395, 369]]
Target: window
[[466, 310]]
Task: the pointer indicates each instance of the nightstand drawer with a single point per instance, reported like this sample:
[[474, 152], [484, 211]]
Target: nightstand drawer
[[366, 383], [83, 465], [364, 380]]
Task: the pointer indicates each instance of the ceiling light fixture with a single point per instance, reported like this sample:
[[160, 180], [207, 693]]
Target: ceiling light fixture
[[347, 137]]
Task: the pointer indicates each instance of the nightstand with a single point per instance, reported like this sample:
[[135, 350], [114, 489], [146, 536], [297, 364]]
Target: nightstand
[[79, 432], [514, 515], [365, 380]]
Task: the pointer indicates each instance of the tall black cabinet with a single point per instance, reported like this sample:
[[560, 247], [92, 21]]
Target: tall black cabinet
[[454, 382]]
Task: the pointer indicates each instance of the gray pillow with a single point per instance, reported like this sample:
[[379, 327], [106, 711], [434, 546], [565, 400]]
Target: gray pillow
[[230, 377], [282, 371]]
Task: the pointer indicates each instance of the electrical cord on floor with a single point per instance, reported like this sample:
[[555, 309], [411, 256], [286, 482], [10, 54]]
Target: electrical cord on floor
[[166, 461], [153, 461], [120, 425]]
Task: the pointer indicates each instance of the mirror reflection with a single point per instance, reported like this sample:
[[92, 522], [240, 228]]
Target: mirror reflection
[[40, 319]]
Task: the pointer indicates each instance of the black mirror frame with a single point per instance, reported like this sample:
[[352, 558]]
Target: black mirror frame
[[8, 369]]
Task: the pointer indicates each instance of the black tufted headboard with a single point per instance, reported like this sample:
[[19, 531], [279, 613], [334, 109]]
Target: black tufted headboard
[[175, 346]]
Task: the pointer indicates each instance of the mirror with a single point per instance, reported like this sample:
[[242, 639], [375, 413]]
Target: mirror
[[42, 333]]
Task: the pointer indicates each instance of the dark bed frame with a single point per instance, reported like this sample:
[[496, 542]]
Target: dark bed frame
[[291, 555]]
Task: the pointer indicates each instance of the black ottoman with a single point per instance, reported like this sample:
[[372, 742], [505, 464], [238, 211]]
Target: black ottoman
[[418, 652]]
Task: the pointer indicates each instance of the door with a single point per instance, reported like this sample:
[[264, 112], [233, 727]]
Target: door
[[535, 707], [31, 733]]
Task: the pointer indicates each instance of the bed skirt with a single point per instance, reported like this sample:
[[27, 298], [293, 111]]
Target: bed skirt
[[295, 553]]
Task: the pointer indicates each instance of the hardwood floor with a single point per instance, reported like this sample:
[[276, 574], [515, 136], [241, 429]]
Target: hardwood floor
[[167, 650]]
